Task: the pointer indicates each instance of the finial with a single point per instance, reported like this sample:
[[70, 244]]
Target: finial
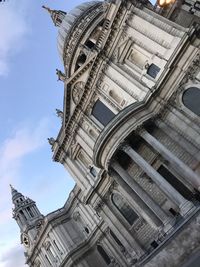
[[56, 15], [48, 9], [12, 188]]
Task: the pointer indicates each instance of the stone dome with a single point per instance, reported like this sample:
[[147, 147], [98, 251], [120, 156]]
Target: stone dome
[[76, 18]]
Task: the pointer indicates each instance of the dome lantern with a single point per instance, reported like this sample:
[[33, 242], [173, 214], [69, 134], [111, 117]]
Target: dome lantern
[[56, 15]]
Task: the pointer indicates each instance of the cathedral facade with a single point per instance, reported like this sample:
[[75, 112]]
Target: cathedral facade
[[129, 138]]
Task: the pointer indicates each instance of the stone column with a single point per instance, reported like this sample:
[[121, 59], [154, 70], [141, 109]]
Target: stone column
[[167, 188], [151, 210], [180, 166], [140, 206]]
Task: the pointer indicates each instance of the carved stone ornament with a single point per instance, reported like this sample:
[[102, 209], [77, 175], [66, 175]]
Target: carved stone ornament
[[77, 91], [25, 240], [76, 215], [192, 70]]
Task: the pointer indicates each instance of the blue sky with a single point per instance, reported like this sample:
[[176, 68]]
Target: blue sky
[[29, 95]]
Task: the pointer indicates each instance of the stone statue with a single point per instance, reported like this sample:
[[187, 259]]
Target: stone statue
[[59, 113], [51, 141], [61, 75]]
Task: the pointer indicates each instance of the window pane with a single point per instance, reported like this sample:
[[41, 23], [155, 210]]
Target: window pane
[[124, 208], [102, 113], [191, 99], [153, 70], [178, 185], [103, 254]]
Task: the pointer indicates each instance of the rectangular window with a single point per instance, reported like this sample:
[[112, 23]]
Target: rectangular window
[[153, 70], [102, 113]]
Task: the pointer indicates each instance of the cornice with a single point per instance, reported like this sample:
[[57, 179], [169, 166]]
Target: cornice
[[97, 65]]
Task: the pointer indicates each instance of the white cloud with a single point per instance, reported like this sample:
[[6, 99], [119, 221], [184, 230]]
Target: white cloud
[[14, 256], [13, 29], [25, 140]]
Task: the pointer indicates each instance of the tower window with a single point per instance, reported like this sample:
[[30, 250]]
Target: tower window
[[191, 99], [153, 70], [102, 113], [174, 181], [22, 214], [124, 208], [30, 212], [103, 254]]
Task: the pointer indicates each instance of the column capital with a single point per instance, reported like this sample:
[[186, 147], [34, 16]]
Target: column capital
[[124, 146]]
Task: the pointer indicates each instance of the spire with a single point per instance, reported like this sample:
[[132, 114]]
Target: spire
[[56, 15], [15, 193]]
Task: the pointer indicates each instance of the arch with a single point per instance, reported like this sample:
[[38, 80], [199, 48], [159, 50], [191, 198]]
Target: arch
[[124, 208], [191, 99]]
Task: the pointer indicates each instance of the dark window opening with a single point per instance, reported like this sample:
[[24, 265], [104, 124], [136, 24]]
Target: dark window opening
[[191, 99], [93, 172], [153, 70], [154, 244], [80, 61], [124, 208], [104, 254], [173, 212], [178, 185], [21, 199], [102, 113], [30, 212], [86, 230], [89, 44], [116, 239]]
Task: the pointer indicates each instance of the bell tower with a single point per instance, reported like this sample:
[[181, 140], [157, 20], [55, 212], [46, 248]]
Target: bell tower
[[27, 216]]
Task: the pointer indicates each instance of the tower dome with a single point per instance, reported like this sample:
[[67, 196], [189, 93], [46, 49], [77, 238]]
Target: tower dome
[[77, 24]]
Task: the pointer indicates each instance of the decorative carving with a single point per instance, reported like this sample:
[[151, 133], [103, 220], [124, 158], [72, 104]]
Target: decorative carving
[[99, 205], [77, 91], [76, 216], [192, 70]]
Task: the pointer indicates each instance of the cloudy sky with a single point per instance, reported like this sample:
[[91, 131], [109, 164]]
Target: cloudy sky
[[29, 95]]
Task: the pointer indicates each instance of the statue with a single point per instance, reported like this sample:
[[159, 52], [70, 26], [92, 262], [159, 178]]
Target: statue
[[59, 113], [51, 141], [61, 75]]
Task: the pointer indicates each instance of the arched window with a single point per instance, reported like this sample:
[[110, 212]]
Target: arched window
[[124, 208], [191, 99], [153, 70], [102, 113], [103, 254]]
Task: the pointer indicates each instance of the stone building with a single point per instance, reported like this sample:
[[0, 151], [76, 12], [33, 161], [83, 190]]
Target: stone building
[[129, 138]]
